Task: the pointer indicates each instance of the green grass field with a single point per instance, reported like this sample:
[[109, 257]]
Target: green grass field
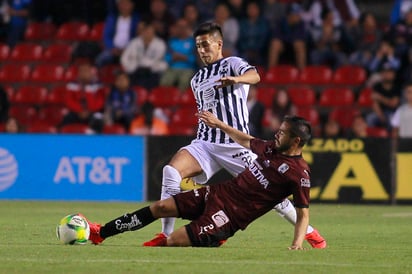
[[361, 239]]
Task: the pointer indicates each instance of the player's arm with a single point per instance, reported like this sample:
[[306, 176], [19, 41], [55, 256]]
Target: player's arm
[[302, 222], [238, 136], [249, 77]]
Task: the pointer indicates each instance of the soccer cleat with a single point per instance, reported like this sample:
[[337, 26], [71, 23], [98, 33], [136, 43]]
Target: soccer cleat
[[94, 236], [222, 242], [159, 240], [315, 239]]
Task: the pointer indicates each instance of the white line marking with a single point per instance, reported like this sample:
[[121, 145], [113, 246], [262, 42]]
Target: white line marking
[[195, 262], [398, 214]]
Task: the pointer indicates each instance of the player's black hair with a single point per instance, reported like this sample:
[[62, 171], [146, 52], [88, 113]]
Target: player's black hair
[[299, 127], [211, 28]]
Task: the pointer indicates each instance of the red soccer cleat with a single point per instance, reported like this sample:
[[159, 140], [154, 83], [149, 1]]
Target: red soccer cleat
[[315, 239], [94, 236], [222, 242], [159, 240]]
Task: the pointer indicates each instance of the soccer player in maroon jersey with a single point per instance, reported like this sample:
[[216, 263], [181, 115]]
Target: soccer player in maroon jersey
[[218, 211]]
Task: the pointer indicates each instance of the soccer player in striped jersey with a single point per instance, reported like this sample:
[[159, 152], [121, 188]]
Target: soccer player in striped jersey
[[220, 87]]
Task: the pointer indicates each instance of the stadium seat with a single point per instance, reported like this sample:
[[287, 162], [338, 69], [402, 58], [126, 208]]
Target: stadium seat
[[9, 90], [141, 94], [261, 70], [349, 75], [24, 114], [40, 127], [187, 99], [70, 73], [302, 96], [26, 52], [107, 74], [265, 95], [75, 128], [282, 74], [56, 96], [315, 75], [182, 130], [333, 97], [47, 74], [14, 73], [344, 115], [309, 113], [379, 132], [184, 117], [4, 52], [39, 31], [114, 129], [267, 117], [365, 99], [52, 114], [73, 32], [30, 95], [58, 53], [96, 32], [164, 97]]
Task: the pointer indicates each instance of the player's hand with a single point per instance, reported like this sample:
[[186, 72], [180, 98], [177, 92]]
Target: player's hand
[[208, 118], [295, 247], [226, 81]]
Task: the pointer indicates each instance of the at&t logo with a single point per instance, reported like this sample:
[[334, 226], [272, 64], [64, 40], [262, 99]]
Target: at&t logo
[[8, 169], [97, 170]]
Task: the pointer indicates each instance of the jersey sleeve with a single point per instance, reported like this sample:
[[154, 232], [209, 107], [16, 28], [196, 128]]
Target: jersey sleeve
[[240, 66], [301, 190], [259, 146]]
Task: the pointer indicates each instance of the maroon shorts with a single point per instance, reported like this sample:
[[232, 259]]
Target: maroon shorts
[[209, 224]]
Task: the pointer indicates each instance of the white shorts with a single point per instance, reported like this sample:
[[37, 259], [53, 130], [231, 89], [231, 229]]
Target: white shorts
[[213, 157]]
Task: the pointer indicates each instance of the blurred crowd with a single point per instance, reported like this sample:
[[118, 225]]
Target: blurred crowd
[[150, 44]]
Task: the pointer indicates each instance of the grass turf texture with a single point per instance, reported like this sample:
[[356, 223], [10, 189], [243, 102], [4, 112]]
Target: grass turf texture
[[361, 239]]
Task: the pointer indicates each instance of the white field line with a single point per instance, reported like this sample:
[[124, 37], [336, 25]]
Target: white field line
[[398, 214], [195, 262]]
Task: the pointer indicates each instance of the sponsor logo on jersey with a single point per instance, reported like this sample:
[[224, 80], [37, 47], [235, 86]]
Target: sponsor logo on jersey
[[255, 168], [305, 182], [242, 153], [283, 168], [224, 68], [220, 218]]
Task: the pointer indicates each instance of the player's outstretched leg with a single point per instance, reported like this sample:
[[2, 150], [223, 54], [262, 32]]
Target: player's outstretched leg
[[126, 222], [288, 212], [170, 186]]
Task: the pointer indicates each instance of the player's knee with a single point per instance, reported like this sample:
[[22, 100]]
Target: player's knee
[[173, 240], [160, 208], [178, 238]]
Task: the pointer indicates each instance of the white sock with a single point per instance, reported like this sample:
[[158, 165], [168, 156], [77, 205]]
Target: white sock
[[170, 186], [288, 212]]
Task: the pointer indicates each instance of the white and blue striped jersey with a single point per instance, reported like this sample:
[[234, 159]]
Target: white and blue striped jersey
[[227, 103]]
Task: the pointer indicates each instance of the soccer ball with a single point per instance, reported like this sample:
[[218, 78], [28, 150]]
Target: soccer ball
[[188, 184], [73, 229]]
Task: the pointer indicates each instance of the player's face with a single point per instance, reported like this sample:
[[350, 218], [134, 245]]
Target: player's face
[[209, 48], [283, 138]]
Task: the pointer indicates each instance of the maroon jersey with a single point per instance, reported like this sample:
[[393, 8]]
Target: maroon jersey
[[270, 179]]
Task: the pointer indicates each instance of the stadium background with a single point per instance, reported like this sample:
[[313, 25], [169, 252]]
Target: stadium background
[[46, 164]]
